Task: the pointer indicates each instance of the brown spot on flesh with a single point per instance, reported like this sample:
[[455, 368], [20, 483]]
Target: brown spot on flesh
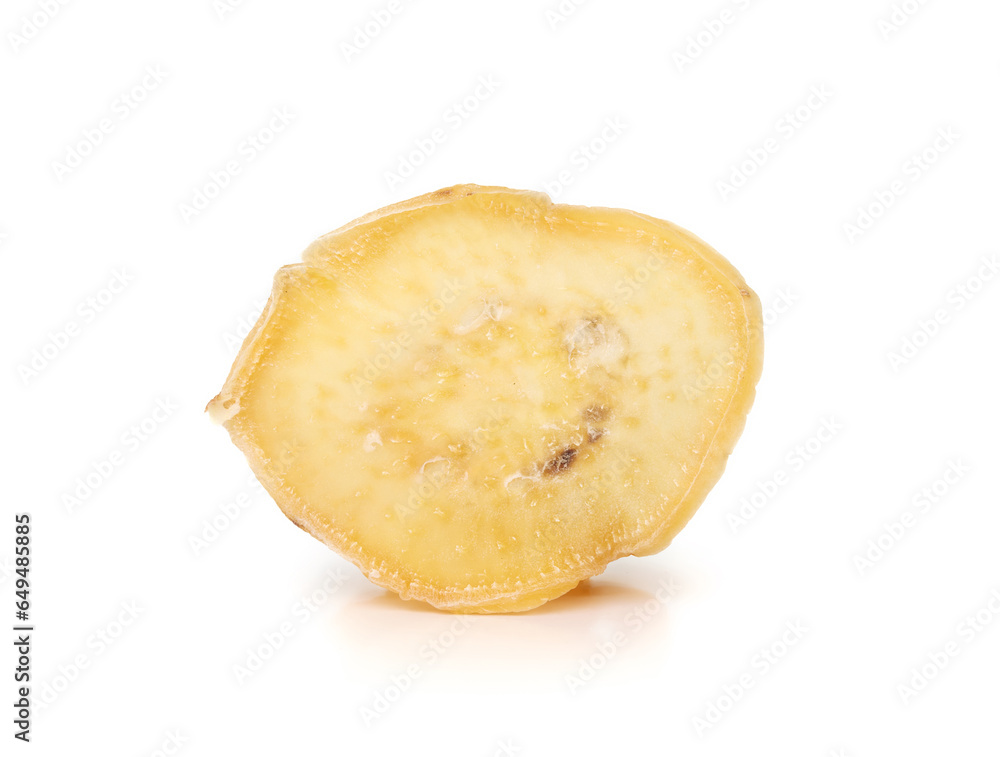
[[560, 462]]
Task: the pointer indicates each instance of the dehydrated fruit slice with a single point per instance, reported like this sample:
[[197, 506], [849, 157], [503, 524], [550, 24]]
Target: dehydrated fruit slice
[[481, 398]]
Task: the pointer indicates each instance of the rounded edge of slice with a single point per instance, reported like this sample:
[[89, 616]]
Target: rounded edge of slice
[[224, 409]]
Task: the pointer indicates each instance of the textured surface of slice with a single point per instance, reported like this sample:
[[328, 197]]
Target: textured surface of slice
[[481, 398]]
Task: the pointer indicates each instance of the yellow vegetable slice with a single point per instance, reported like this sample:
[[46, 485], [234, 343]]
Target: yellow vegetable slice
[[481, 398]]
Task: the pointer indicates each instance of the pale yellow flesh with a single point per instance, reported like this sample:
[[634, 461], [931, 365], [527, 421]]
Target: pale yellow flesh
[[481, 398]]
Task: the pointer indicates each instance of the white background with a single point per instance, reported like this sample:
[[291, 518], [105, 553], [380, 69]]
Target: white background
[[140, 631]]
